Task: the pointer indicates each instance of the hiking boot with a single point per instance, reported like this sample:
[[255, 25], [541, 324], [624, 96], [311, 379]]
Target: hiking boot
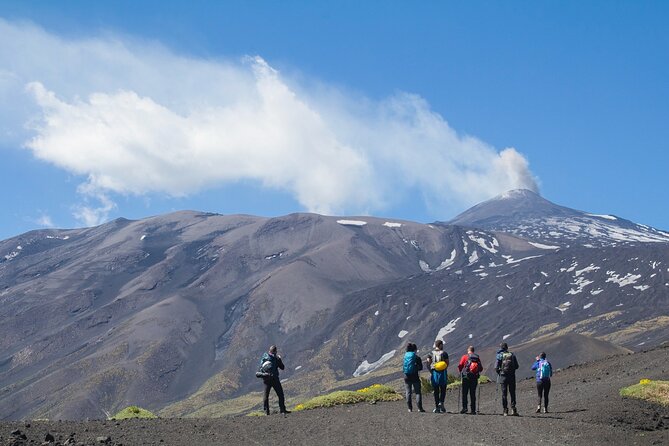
[[436, 410], [538, 409], [506, 412], [473, 412], [420, 409], [442, 409], [514, 412], [463, 410], [545, 409], [285, 411], [409, 410]]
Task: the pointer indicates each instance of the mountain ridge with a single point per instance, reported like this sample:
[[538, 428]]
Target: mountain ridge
[[176, 308]]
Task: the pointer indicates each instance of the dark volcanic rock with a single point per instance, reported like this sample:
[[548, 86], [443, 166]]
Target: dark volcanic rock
[[146, 312]]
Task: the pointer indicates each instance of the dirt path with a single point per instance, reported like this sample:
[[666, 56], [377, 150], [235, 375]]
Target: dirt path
[[586, 410]]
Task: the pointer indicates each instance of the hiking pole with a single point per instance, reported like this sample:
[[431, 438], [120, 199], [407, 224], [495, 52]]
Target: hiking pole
[[478, 400], [459, 392]]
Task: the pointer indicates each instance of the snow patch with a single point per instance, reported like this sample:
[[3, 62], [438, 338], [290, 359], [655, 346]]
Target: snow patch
[[596, 292], [484, 304], [474, 257], [580, 283], [352, 222], [563, 307], [641, 287], [376, 313], [587, 269], [12, 255], [143, 237], [586, 306], [544, 274], [463, 304], [542, 246], [298, 367], [445, 264], [499, 298], [402, 333], [366, 367], [483, 243], [510, 260], [628, 279], [607, 217], [448, 328], [390, 224], [504, 338]]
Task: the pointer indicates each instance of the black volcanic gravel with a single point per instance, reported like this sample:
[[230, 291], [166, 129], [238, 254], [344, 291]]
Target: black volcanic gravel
[[586, 409]]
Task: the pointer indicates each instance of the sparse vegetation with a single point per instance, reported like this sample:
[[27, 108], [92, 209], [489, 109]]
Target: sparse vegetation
[[133, 412], [373, 393], [650, 390]]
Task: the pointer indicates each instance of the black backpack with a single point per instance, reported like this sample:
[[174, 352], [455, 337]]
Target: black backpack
[[506, 366]]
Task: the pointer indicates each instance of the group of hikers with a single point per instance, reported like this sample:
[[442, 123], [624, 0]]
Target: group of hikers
[[469, 367]]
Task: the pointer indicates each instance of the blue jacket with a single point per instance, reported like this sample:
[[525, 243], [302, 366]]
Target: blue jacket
[[537, 366], [438, 378]]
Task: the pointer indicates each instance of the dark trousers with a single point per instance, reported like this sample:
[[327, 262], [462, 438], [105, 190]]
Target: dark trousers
[[414, 386], [273, 382], [508, 384], [439, 395], [543, 388], [469, 388]]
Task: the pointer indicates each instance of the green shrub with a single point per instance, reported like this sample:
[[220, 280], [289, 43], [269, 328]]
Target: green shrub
[[376, 392], [650, 390], [133, 412]]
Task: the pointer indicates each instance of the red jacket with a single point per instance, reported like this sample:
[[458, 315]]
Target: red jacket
[[465, 358]]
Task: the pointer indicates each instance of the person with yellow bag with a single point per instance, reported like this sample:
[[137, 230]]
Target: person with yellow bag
[[438, 363]]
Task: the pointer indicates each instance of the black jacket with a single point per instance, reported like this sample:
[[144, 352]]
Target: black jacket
[[498, 364], [276, 361]]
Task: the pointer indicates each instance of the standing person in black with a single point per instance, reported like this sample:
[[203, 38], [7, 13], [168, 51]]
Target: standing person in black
[[506, 366], [412, 365], [270, 363], [470, 369]]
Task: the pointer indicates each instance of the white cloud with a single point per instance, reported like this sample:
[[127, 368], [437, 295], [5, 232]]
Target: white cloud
[[135, 118], [89, 215], [45, 221]]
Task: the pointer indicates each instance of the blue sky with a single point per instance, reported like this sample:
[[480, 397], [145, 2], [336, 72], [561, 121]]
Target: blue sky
[[408, 110]]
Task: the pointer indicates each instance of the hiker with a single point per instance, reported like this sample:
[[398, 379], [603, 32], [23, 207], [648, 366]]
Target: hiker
[[412, 365], [506, 366], [438, 362], [470, 368], [270, 363], [544, 373]]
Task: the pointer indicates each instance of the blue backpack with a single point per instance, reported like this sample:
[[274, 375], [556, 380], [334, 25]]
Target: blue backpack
[[545, 370], [410, 363]]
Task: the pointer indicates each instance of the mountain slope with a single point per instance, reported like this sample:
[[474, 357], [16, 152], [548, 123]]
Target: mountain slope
[[172, 312], [526, 214]]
